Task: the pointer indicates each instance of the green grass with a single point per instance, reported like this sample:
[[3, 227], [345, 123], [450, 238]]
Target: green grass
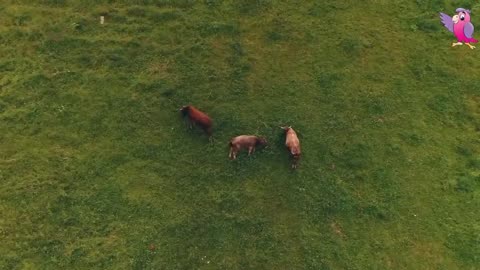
[[97, 169]]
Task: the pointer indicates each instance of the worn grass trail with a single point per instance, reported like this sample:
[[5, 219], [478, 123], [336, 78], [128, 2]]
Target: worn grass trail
[[97, 170]]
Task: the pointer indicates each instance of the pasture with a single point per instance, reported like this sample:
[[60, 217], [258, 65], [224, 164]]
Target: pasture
[[98, 170]]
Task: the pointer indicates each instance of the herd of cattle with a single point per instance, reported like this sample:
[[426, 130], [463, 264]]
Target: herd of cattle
[[250, 142]]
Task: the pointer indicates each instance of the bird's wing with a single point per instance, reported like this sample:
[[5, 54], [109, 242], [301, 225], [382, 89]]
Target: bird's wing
[[468, 30], [447, 21]]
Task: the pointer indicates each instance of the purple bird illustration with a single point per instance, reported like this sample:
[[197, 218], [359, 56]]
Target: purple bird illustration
[[460, 26]]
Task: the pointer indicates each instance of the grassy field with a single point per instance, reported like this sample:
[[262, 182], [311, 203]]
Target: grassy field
[[98, 171]]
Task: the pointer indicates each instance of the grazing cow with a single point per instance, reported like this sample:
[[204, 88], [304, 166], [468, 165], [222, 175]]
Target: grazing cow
[[197, 117], [245, 141], [293, 145]]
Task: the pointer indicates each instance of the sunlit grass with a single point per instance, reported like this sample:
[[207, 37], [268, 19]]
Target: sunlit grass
[[98, 170]]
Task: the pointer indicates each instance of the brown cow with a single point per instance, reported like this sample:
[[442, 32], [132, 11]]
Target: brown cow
[[197, 117], [245, 141], [293, 145]]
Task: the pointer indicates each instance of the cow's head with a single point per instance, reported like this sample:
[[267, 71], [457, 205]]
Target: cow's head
[[286, 128], [261, 141], [184, 110]]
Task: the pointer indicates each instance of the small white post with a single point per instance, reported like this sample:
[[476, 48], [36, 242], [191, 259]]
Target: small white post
[[102, 19]]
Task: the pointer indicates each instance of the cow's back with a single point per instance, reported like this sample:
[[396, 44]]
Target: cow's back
[[200, 117], [293, 143], [244, 140]]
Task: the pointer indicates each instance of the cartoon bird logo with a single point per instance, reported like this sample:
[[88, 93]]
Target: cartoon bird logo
[[460, 26]]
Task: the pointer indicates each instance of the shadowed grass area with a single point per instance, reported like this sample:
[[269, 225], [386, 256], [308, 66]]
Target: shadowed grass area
[[98, 170]]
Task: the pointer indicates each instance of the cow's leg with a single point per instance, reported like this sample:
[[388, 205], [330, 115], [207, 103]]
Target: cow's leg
[[295, 161], [231, 152], [235, 151], [250, 150], [186, 122]]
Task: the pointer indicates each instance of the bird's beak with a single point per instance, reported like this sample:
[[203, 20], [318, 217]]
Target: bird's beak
[[455, 19]]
